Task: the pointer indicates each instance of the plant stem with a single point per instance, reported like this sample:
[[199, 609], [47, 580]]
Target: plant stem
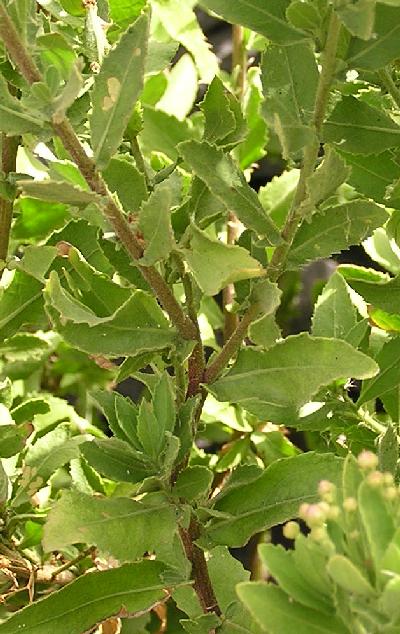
[[239, 66], [231, 346], [139, 160], [239, 59], [202, 583], [71, 563], [9, 149], [87, 167], [310, 156], [387, 80]]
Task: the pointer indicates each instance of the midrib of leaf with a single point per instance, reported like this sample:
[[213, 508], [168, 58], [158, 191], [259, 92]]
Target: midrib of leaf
[[370, 171], [246, 4], [263, 509], [19, 310], [126, 516], [373, 128], [21, 115], [286, 368], [375, 44], [87, 604], [379, 377], [113, 109], [295, 100]]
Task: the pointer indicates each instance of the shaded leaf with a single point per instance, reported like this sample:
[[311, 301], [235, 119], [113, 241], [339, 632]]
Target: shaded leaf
[[215, 264], [334, 229], [227, 183], [91, 599], [120, 527]]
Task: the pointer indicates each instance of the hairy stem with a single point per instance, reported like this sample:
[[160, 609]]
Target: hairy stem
[[231, 346], [387, 80], [202, 583], [87, 167], [9, 149], [310, 156], [139, 160]]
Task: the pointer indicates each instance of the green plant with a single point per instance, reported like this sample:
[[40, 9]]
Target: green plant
[[125, 217], [344, 576]]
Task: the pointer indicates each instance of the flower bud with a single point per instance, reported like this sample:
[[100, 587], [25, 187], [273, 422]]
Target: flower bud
[[318, 534], [334, 512], [315, 516], [375, 479], [291, 530], [390, 493], [388, 479], [350, 504], [367, 460]]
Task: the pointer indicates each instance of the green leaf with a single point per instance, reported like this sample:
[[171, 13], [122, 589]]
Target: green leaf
[[281, 565], [276, 383], [121, 415], [116, 460], [193, 482], [120, 527], [123, 178], [222, 566], [348, 576], [27, 410], [388, 451], [164, 403], [334, 313], [269, 20], [137, 326], [21, 304], [53, 450], [14, 118], [155, 224], [149, 431], [58, 192], [360, 128], [162, 132], [277, 196], [124, 12], [371, 174], [383, 47], [305, 16], [116, 90], [219, 118], [290, 78], [265, 331], [227, 183], [180, 95], [334, 229], [381, 249], [391, 598], [215, 264], [277, 613], [38, 218], [324, 182], [378, 521], [11, 440], [358, 18], [91, 599], [270, 498], [180, 22], [381, 294], [388, 378]]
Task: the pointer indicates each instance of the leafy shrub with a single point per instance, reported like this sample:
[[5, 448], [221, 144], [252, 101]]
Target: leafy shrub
[[136, 257]]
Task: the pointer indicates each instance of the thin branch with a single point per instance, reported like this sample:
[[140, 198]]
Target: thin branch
[[87, 167], [278, 260], [310, 156], [202, 583], [139, 160], [231, 346], [387, 80], [9, 149]]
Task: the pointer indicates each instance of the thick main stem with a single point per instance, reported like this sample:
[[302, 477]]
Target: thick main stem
[[202, 583], [87, 167], [9, 149]]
